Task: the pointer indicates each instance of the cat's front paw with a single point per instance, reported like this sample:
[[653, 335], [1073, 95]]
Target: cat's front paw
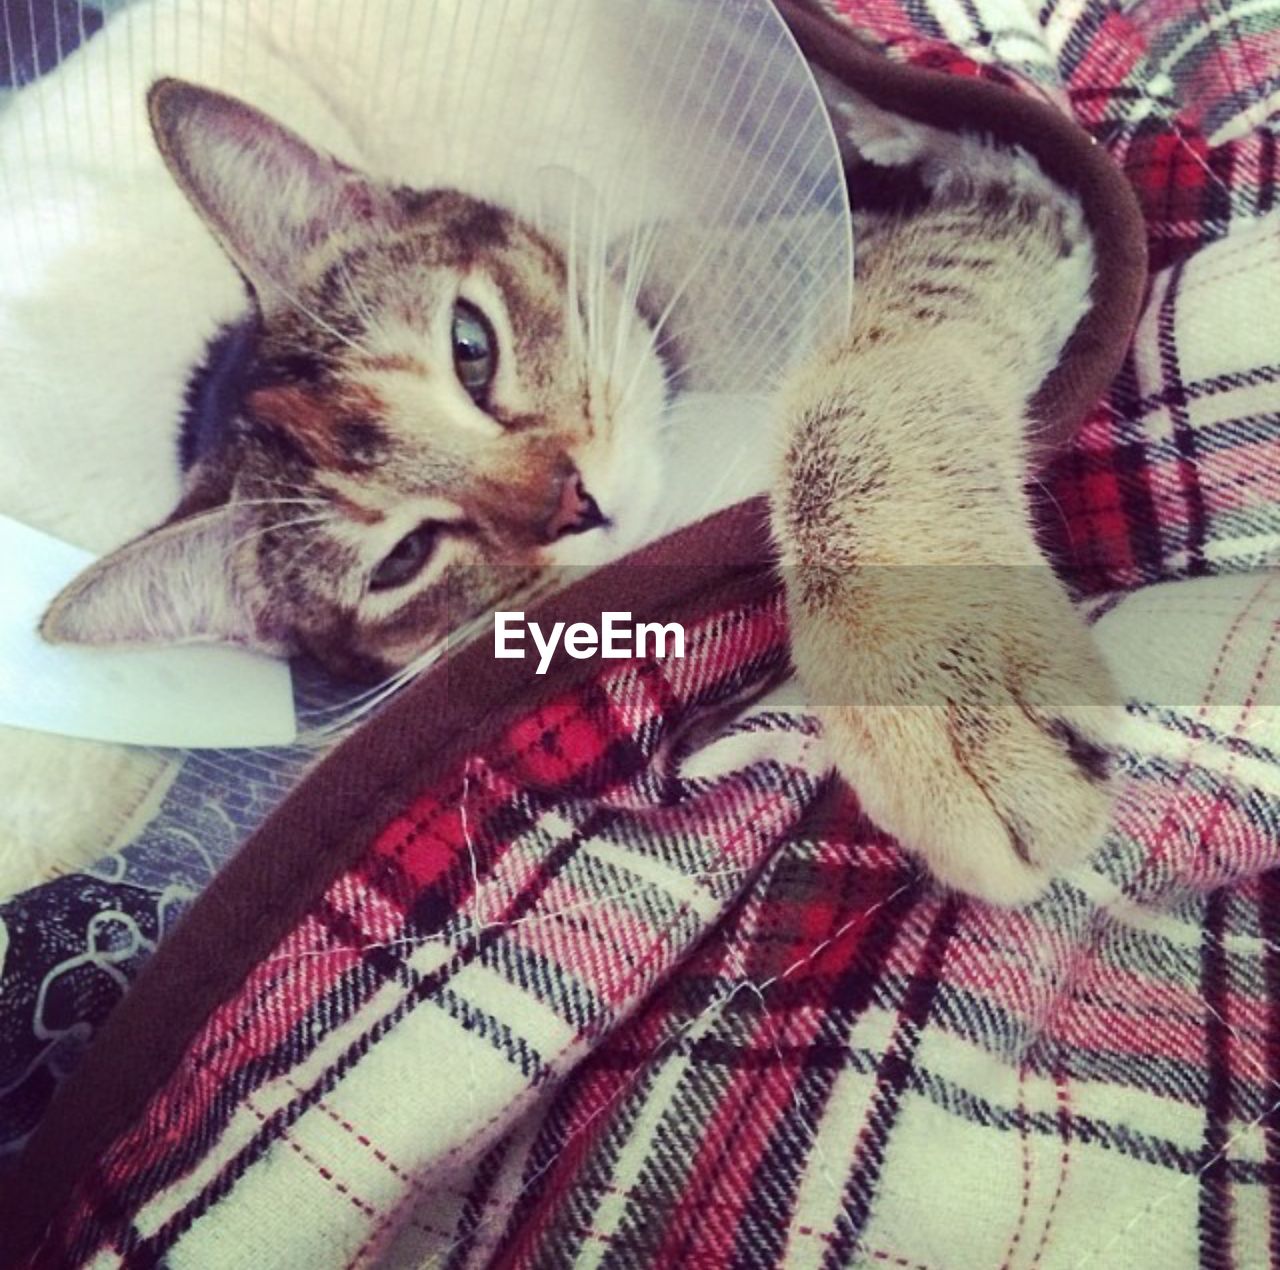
[[996, 803], [980, 742]]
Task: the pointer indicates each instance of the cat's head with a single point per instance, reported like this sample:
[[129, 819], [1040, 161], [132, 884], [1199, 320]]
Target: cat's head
[[436, 409]]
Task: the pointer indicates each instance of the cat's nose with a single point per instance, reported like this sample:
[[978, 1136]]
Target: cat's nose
[[576, 511]]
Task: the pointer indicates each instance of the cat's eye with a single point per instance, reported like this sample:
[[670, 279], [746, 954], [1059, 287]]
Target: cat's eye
[[475, 350], [405, 560]]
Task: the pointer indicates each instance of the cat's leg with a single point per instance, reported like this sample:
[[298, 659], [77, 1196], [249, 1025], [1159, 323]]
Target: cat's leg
[[960, 693], [990, 206]]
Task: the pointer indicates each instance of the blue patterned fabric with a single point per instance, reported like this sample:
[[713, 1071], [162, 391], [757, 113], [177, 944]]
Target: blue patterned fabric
[[70, 947]]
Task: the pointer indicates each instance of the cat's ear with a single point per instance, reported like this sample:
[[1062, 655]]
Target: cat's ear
[[266, 195], [173, 585]]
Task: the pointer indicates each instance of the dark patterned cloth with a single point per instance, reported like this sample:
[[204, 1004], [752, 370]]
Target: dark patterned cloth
[[69, 950]]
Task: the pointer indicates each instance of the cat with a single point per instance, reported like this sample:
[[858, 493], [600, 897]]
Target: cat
[[301, 505]]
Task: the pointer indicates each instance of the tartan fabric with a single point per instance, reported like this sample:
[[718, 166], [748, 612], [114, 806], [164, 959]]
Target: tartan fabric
[[504, 1039], [634, 988], [521, 908], [862, 1072]]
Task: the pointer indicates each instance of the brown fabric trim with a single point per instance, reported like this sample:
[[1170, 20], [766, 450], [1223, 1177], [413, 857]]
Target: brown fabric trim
[[324, 826], [1066, 153], [330, 819]]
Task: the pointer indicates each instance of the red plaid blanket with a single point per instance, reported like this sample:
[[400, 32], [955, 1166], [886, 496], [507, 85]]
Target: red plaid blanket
[[634, 986]]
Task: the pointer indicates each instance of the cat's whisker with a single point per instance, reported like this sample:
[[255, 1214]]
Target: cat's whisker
[[726, 481], [260, 531], [355, 709], [628, 317], [1050, 496], [597, 285], [573, 296], [351, 711], [281, 502], [632, 385], [352, 294], [638, 261], [591, 327], [312, 316]]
